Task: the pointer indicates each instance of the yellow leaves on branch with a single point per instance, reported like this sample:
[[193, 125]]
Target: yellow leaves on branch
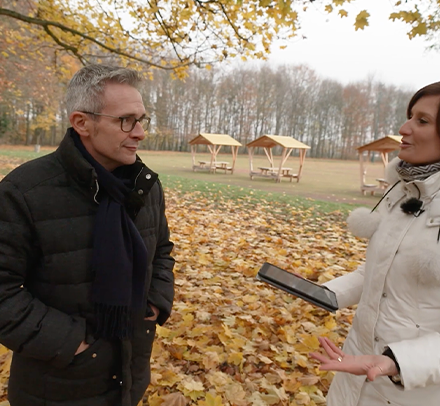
[[173, 34], [340, 2], [414, 18], [421, 23], [164, 34]]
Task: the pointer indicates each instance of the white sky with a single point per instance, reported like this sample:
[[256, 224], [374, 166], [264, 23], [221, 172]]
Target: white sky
[[335, 50]]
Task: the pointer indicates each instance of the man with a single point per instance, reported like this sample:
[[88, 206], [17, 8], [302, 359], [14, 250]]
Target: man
[[85, 265]]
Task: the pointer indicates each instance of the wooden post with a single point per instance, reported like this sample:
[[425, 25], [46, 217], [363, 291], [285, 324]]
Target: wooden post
[[212, 151], [302, 157], [193, 153], [268, 152], [251, 156], [361, 162], [234, 157], [283, 158]]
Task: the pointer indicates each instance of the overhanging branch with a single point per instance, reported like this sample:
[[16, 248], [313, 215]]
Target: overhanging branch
[[47, 25]]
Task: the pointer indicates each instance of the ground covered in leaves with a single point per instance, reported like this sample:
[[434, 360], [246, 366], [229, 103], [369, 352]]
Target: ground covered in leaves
[[232, 340]]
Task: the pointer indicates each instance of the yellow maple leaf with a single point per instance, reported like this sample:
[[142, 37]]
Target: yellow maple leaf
[[235, 358], [192, 388], [174, 399], [330, 323], [211, 360], [420, 29], [361, 20], [342, 13], [302, 398], [308, 343], [163, 332], [153, 400], [188, 317], [302, 361], [169, 378], [210, 400]]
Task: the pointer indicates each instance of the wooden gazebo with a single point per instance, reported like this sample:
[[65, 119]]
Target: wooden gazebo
[[384, 146], [214, 142], [288, 144]]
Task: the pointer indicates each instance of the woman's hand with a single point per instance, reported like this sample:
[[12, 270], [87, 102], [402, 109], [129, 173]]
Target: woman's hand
[[370, 365]]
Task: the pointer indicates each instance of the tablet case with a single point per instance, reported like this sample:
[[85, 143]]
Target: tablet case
[[295, 292]]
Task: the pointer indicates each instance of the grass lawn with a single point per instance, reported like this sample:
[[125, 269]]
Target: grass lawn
[[323, 179], [331, 181]]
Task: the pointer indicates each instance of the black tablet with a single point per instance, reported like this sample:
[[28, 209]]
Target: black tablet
[[298, 286]]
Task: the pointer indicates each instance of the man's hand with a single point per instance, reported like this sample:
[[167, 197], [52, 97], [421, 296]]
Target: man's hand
[[156, 313], [82, 347], [370, 365]]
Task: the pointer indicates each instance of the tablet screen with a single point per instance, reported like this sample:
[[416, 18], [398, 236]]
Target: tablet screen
[[297, 285]]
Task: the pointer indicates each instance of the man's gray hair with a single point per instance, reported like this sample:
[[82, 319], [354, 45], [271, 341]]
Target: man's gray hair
[[86, 88]]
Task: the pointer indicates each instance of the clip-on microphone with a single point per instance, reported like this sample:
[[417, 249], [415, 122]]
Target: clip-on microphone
[[412, 206]]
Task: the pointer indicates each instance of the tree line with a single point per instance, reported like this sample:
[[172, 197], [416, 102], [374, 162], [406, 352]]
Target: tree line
[[247, 102], [242, 101]]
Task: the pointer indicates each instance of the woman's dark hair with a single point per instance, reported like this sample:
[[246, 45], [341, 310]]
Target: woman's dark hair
[[431, 90]]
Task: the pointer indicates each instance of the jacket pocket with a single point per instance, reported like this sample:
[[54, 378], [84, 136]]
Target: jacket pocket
[[87, 353], [93, 372], [142, 346]]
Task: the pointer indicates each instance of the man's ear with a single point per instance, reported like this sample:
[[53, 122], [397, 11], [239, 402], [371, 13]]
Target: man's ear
[[81, 123]]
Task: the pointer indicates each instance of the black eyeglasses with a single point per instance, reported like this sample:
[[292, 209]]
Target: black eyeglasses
[[127, 122]]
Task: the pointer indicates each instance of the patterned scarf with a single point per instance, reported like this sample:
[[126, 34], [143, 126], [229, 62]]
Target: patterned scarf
[[410, 172]]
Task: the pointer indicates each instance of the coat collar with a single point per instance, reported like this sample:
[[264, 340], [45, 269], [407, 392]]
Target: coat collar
[[85, 175], [417, 188]]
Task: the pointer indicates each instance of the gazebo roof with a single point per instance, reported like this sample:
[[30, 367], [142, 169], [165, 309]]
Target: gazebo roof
[[215, 139], [386, 144], [269, 141]]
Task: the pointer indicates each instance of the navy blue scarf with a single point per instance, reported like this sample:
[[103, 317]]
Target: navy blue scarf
[[119, 259]]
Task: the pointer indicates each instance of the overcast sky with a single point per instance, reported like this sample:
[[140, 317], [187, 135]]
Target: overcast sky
[[335, 50]]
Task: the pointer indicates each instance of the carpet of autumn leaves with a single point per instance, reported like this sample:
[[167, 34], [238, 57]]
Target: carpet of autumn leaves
[[232, 340]]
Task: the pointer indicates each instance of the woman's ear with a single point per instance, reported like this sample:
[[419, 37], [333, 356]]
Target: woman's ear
[[81, 123]]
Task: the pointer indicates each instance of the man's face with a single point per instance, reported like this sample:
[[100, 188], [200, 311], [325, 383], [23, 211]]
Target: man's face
[[106, 141]]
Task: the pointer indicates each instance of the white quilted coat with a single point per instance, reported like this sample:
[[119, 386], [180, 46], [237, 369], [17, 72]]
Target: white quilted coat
[[398, 291]]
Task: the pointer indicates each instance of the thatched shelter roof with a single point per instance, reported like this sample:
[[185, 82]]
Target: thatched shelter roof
[[386, 144], [269, 141], [214, 139]]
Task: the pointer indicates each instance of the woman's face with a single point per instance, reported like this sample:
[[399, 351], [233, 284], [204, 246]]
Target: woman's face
[[420, 140]]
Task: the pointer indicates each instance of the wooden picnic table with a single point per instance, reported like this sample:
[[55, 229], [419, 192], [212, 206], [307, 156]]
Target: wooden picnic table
[[372, 188], [265, 170], [383, 184], [216, 165], [204, 164], [221, 164]]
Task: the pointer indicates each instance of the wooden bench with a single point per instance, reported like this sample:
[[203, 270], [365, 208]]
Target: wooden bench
[[222, 166], [216, 165], [370, 188], [383, 184]]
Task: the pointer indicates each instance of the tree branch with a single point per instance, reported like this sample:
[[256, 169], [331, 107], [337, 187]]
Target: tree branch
[[46, 25]]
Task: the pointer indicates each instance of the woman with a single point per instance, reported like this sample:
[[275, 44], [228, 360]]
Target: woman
[[392, 353]]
